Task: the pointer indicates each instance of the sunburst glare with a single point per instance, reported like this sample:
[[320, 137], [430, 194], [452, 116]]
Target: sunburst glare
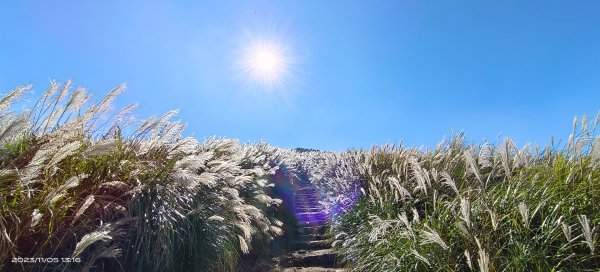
[[267, 63]]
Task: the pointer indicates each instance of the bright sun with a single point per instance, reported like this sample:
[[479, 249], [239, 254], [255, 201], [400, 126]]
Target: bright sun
[[266, 63]]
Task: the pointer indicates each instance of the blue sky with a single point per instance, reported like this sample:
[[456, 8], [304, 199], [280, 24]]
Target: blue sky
[[363, 73]]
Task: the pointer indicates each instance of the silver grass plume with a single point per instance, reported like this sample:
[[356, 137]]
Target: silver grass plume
[[472, 166], [430, 236], [524, 211], [12, 126], [420, 257], [35, 217], [34, 167], [13, 96], [216, 218], [100, 148], [588, 233], [86, 204], [62, 153], [448, 181], [243, 245], [485, 155], [567, 231], [102, 234], [484, 259], [465, 210], [468, 257], [59, 191]]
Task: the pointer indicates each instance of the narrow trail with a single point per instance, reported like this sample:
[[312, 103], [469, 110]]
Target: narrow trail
[[310, 251]]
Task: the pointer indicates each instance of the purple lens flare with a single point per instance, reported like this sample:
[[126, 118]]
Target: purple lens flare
[[313, 207]]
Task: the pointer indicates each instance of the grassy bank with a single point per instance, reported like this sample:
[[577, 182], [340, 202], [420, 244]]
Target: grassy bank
[[486, 207], [86, 187], [105, 192]]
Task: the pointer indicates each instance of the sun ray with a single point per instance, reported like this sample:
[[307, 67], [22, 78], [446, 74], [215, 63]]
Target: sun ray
[[266, 62]]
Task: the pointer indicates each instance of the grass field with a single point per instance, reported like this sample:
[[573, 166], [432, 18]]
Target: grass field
[[100, 191], [482, 207]]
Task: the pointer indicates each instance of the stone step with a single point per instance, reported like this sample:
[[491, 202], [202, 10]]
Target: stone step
[[310, 237], [308, 258], [310, 208], [306, 191], [309, 203], [300, 213], [316, 244], [306, 194], [311, 230], [307, 199], [312, 223], [313, 269], [311, 213], [310, 217], [314, 211]]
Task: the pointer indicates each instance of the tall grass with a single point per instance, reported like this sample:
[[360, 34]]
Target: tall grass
[[475, 207], [83, 181], [77, 181]]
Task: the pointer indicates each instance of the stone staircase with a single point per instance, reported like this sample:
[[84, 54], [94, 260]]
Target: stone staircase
[[311, 252]]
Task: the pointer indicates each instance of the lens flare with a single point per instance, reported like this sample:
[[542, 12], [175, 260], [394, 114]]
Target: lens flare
[[266, 62]]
